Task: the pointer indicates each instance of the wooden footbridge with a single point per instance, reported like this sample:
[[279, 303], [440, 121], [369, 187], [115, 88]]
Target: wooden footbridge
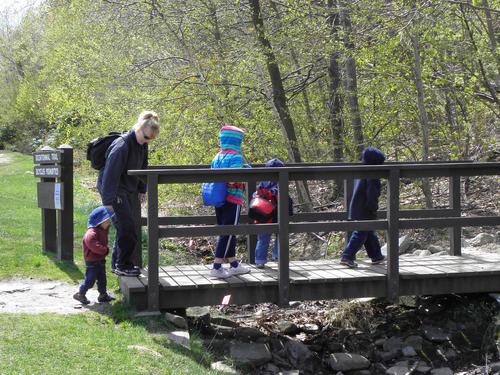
[[161, 287]]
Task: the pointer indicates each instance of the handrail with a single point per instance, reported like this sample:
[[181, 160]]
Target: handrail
[[391, 220]]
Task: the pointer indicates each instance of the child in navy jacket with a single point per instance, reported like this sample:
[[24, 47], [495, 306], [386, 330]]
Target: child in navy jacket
[[269, 190], [364, 206], [95, 249]]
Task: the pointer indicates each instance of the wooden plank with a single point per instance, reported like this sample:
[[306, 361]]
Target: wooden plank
[[132, 284]]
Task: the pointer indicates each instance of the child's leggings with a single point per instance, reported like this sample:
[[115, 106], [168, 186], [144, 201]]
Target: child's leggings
[[228, 214]]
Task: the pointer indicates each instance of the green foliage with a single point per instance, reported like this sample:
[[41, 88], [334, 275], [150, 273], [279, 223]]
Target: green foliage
[[75, 70]]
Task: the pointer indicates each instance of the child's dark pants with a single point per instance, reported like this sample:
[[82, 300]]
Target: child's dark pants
[[228, 214], [96, 271], [360, 238]]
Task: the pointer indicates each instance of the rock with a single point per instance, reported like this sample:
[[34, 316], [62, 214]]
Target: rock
[[222, 367], [198, 316], [181, 338], [301, 357], [435, 334], [348, 362], [422, 369], [310, 328], [294, 304], [495, 366], [272, 368], [408, 351], [223, 321], [450, 354], [379, 342], [398, 370], [247, 333], [249, 353], [422, 253], [497, 237], [435, 249], [223, 331], [388, 356], [393, 343], [176, 320], [404, 245], [287, 328], [414, 341], [482, 239], [442, 371], [290, 372], [335, 346], [143, 349]]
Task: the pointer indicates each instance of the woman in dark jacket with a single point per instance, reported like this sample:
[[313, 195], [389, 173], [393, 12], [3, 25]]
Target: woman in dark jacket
[[118, 189]]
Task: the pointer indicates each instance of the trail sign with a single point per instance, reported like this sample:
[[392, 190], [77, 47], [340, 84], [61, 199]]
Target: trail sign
[[51, 195], [47, 157], [47, 171]]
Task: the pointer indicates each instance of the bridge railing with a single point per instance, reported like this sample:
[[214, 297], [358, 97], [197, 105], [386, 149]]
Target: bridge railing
[[392, 220]]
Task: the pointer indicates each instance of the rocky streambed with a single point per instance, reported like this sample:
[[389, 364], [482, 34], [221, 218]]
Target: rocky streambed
[[452, 334]]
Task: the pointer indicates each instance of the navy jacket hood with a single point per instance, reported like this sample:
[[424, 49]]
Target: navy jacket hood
[[372, 156]]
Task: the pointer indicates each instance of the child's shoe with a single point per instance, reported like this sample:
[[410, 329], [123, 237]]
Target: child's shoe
[[81, 298], [220, 273], [105, 297], [379, 260], [348, 262], [240, 270]]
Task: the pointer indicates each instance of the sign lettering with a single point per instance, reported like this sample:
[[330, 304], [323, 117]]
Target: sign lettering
[[48, 171], [46, 157]]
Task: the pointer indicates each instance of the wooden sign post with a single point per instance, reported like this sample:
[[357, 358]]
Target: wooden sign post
[[55, 198]]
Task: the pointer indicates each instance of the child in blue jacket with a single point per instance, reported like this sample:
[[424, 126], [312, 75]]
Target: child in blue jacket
[[269, 191], [364, 206], [229, 156]]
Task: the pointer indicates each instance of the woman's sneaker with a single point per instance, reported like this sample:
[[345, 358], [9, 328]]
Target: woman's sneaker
[[130, 272], [348, 262], [219, 273], [105, 298], [81, 298], [240, 270]]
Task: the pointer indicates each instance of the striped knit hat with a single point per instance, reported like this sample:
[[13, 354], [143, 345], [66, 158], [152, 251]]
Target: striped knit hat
[[231, 138]]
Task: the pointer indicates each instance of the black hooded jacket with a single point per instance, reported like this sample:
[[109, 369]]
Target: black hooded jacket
[[364, 202]]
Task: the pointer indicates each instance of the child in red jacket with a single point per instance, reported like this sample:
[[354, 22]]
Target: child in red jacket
[[95, 249]]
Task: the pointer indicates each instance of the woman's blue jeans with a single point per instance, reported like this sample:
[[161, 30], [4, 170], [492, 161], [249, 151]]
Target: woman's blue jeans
[[262, 248]]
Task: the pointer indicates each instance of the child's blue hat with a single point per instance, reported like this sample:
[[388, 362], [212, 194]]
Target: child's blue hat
[[98, 216], [273, 163]]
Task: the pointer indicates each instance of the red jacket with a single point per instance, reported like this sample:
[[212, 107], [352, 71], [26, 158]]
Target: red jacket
[[95, 244]]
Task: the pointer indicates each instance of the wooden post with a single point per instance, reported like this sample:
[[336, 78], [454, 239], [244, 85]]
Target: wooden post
[[251, 238], [49, 226], [393, 236], [65, 216], [455, 232], [283, 235], [153, 279]]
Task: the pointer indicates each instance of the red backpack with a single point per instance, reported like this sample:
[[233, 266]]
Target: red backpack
[[262, 206]]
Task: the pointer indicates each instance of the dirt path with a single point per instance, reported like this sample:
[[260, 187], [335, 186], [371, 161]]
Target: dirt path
[[36, 296], [4, 159]]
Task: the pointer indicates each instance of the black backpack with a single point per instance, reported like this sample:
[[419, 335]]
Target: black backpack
[[96, 149]]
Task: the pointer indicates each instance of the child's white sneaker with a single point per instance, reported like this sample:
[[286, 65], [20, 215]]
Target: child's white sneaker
[[240, 270], [220, 273]]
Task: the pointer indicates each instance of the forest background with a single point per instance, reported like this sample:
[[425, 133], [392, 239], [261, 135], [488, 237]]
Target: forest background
[[309, 81]]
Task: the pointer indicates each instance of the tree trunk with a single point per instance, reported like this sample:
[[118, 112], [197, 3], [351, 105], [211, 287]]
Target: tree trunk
[[350, 81], [493, 41], [310, 127], [279, 99], [334, 97], [424, 120]]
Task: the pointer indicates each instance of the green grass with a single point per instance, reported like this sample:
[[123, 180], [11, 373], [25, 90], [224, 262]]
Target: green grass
[[88, 342]]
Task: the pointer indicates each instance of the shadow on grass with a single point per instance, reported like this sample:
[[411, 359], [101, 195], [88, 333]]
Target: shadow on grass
[[69, 268], [122, 313]]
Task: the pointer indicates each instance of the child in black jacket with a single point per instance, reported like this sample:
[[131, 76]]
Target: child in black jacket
[[364, 206]]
